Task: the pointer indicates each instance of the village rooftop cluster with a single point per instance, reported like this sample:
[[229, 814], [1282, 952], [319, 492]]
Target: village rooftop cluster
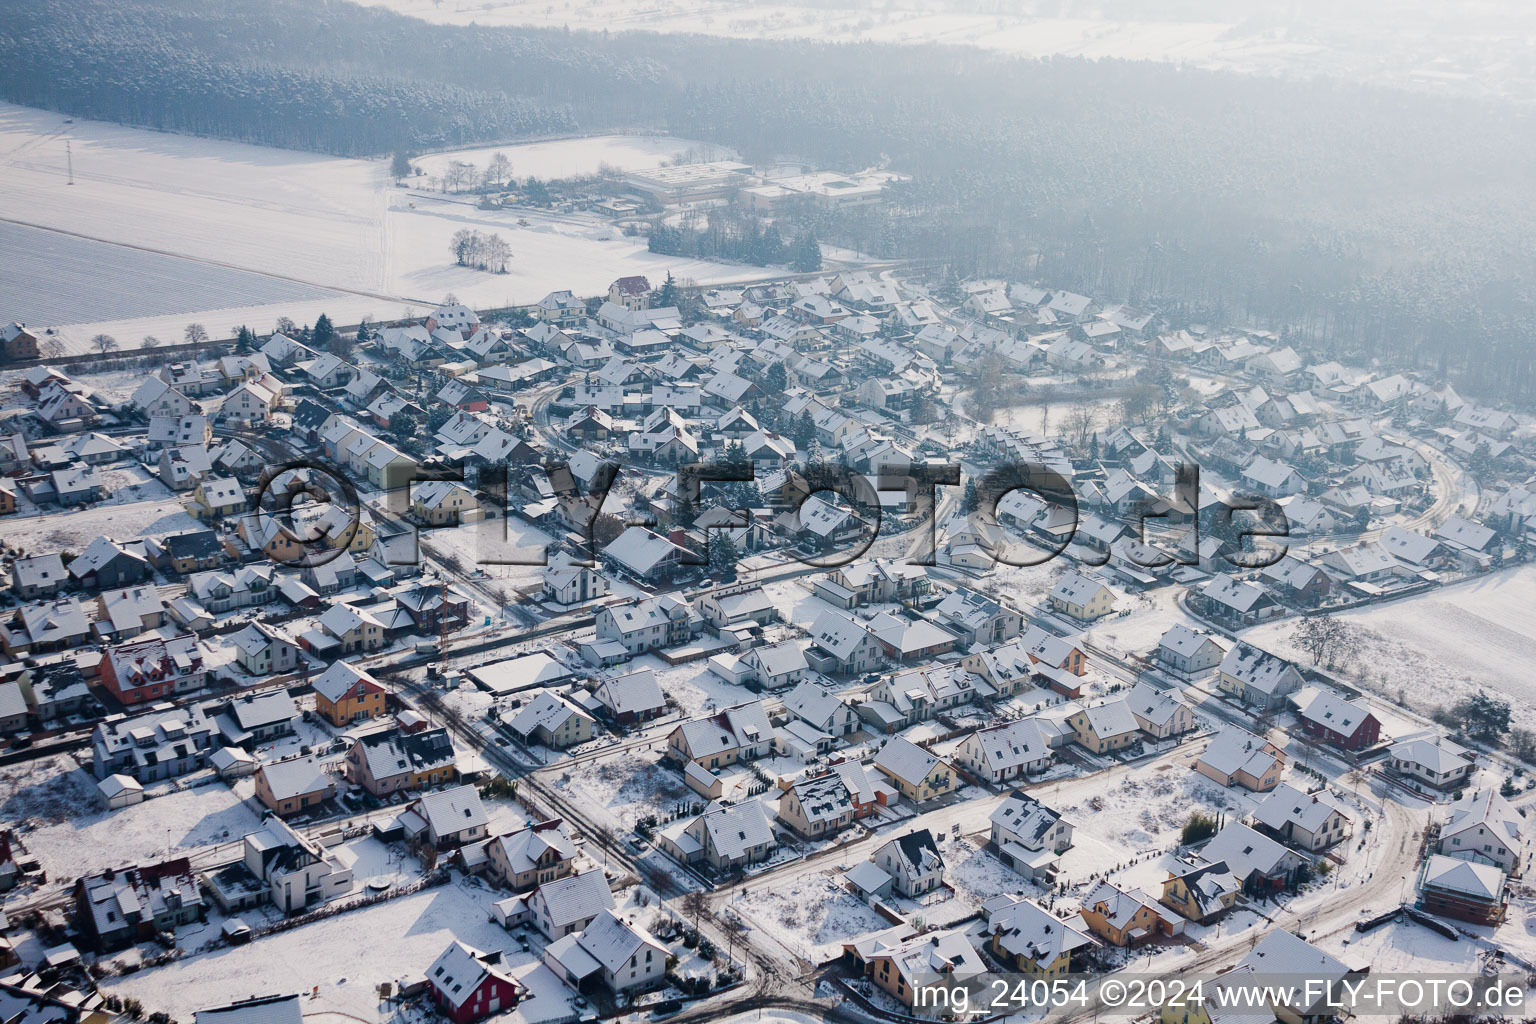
[[407, 783]]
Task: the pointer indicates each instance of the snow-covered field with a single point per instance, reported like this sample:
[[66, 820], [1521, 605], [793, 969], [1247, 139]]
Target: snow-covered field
[[223, 233], [346, 956], [811, 915], [571, 158], [626, 786], [124, 521], [74, 836], [1436, 647]]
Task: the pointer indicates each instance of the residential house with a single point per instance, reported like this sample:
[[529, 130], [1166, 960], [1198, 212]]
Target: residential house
[[1105, 726], [1310, 821], [913, 861], [1188, 653], [818, 708], [1160, 713], [118, 907], [625, 956], [1340, 723], [153, 669], [647, 624], [549, 719], [1434, 760], [469, 985], [977, 618], [1238, 758], [1082, 597], [353, 629], [262, 651], [906, 964], [918, 774], [726, 838], [1201, 891], [1464, 890], [1257, 677], [1259, 863], [630, 699], [1124, 917], [163, 743], [1483, 826], [739, 733], [299, 872], [841, 646], [1029, 836], [567, 904], [817, 807], [537, 853], [36, 576], [446, 819], [294, 786], [394, 761], [1012, 750], [1027, 938]]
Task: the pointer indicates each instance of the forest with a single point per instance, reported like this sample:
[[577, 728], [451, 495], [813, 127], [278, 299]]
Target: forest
[[1360, 221]]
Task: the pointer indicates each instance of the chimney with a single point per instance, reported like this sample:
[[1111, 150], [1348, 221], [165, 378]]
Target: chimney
[[676, 536]]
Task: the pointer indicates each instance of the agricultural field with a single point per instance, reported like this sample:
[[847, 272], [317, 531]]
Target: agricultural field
[[185, 229], [1434, 648]]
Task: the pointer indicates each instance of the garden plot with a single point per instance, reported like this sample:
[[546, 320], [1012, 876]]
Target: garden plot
[[1434, 648], [121, 521], [403, 937], [625, 787], [73, 835], [811, 915], [1134, 818], [697, 690]]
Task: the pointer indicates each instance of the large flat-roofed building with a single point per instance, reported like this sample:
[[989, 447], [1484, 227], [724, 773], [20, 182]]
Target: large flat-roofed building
[[826, 189], [686, 182]]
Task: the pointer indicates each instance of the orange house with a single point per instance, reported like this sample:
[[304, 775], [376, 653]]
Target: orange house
[[345, 694]]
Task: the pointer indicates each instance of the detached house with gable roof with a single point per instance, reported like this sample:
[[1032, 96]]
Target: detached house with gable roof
[[1011, 750], [1340, 723], [1029, 836], [726, 838], [740, 733], [1311, 821], [1239, 758], [393, 761], [1257, 677], [918, 774], [468, 984], [1482, 826], [1029, 939]]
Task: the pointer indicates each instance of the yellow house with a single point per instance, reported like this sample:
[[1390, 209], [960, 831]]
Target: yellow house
[[1027, 938], [1082, 597], [916, 773], [1121, 917], [345, 694], [391, 761], [1105, 727], [215, 497], [1202, 893], [444, 503]]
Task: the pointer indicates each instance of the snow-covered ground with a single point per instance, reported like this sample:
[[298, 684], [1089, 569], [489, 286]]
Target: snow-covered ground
[[123, 520], [811, 915], [345, 956], [571, 158], [1436, 647], [224, 233], [73, 835]]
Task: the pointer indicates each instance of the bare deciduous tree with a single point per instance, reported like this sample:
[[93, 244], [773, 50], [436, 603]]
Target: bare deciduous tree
[[103, 343]]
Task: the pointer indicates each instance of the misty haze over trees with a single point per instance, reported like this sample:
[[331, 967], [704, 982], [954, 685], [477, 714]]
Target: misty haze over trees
[[1360, 220]]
